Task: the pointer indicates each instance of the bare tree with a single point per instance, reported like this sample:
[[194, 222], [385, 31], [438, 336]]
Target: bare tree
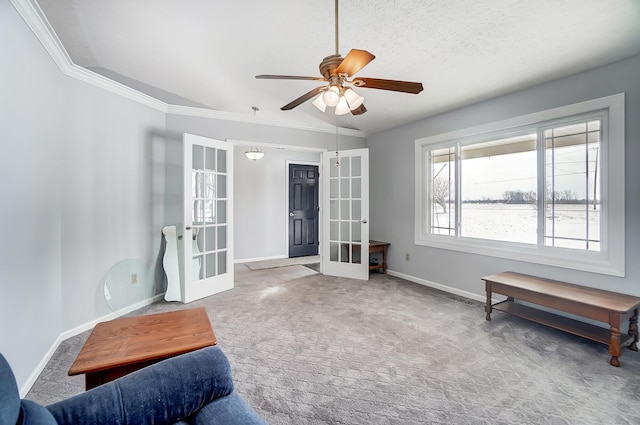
[[532, 198], [441, 191], [514, 196]]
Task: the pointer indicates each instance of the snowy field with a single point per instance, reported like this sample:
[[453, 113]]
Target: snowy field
[[518, 223]]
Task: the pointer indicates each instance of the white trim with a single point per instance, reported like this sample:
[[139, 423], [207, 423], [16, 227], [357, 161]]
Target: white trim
[[26, 387], [611, 260], [438, 286], [608, 102], [251, 260], [238, 142], [230, 116], [39, 25], [42, 29], [36, 20]]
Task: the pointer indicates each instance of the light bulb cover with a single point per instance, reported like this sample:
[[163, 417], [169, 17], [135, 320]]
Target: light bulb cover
[[254, 154], [342, 107], [319, 103], [332, 96], [353, 99]]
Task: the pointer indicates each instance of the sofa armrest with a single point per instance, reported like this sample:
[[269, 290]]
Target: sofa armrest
[[163, 393]]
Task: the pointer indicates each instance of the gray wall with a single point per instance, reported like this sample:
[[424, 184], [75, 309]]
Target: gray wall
[[260, 202], [30, 196], [260, 187], [393, 175], [261, 133], [75, 178], [87, 179]]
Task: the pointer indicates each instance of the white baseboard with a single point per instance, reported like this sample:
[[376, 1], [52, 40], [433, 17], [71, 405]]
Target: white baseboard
[[76, 331], [251, 260], [438, 286]]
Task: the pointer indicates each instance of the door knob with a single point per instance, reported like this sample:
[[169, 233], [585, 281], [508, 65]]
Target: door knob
[[188, 228], [363, 221], [290, 214]]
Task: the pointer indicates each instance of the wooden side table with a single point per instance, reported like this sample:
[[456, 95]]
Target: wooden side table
[[121, 346], [377, 246]]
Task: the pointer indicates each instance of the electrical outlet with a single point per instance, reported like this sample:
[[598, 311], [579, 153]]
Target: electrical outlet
[[406, 256], [134, 278]]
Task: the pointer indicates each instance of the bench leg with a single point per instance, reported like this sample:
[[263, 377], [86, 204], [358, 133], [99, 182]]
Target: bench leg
[[614, 346], [633, 330], [487, 307]]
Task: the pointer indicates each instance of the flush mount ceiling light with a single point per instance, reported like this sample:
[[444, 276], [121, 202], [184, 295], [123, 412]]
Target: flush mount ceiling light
[[254, 154], [338, 73]]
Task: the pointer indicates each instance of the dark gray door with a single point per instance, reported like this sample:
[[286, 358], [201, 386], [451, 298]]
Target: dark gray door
[[303, 210]]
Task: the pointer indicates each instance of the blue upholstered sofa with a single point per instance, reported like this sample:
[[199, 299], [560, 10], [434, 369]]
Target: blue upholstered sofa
[[194, 388]]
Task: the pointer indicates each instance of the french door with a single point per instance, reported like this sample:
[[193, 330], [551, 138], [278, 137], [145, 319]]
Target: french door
[[345, 206], [208, 215]]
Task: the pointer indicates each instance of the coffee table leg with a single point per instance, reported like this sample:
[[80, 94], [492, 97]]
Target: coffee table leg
[[93, 379], [633, 330]]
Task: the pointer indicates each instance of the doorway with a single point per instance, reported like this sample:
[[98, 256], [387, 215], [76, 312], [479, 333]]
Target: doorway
[[303, 210]]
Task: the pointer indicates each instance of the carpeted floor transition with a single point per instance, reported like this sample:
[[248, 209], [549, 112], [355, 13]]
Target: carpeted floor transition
[[284, 262], [312, 349]]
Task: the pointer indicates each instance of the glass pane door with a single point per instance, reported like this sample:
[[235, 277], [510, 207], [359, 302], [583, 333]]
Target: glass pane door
[[345, 239], [207, 232]]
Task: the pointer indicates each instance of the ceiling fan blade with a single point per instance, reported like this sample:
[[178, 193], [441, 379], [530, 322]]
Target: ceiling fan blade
[[359, 110], [303, 98], [393, 85], [354, 62], [288, 77]]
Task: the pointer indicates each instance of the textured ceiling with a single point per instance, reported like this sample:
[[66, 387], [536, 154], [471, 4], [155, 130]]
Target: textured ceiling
[[204, 52]]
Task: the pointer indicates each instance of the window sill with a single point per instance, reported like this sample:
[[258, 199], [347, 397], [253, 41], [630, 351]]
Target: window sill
[[593, 262]]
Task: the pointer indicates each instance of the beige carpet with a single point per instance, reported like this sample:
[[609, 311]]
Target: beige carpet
[[309, 349], [282, 262]]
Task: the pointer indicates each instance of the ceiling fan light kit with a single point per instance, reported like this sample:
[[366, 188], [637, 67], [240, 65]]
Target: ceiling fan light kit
[[342, 108], [353, 98], [319, 103], [336, 71], [331, 96]]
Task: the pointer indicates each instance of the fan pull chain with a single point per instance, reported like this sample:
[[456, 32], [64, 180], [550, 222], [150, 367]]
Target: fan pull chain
[[337, 155]]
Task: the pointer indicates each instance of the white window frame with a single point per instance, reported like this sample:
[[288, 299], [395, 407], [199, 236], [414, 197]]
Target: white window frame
[[610, 260]]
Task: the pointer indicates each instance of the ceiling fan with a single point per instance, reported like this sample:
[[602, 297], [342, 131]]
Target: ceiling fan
[[337, 71]]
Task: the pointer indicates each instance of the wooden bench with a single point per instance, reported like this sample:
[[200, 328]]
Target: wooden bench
[[595, 304]]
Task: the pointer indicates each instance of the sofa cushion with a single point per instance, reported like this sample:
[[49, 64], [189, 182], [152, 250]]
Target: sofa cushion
[[9, 395]]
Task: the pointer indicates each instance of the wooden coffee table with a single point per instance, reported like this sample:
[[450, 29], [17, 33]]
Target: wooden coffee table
[[122, 346]]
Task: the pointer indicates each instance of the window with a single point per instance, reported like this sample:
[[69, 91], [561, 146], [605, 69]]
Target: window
[[545, 188]]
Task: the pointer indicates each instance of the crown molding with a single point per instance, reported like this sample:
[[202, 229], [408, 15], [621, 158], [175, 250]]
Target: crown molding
[[229, 116], [36, 20], [33, 15]]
